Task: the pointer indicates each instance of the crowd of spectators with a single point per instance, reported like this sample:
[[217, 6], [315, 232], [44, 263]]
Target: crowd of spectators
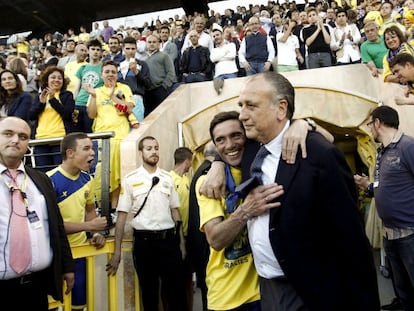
[[155, 58], [109, 79], [309, 35]]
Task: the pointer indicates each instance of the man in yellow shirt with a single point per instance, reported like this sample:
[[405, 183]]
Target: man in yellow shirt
[[232, 279], [183, 158], [81, 52]]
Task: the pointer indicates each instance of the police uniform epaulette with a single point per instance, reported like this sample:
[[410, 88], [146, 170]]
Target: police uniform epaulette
[[164, 173], [131, 173]]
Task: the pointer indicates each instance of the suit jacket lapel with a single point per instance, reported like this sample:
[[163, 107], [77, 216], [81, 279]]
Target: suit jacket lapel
[[284, 176]]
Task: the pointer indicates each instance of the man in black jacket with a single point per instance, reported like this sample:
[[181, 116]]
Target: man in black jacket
[[195, 62]]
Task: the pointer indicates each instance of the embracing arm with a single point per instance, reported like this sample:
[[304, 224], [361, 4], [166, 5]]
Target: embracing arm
[[221, 233], [296, 135]]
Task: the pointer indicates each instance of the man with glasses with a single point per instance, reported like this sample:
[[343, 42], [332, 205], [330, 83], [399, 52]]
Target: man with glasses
[[393, 190], [256, 51]]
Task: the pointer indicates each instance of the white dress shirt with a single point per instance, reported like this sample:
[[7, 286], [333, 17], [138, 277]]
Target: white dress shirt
[[265, 261]]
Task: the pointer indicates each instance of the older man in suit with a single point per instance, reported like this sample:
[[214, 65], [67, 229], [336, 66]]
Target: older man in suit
[[312, 252]]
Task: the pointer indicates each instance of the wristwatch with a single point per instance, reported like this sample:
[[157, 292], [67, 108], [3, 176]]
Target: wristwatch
[[311, 123]]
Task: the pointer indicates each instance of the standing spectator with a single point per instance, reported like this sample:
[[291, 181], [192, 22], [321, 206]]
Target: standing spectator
[[392, 186], [256, 51], [179, 41], [75, 197], [318, 40], [373, 49], [95, 33], [330, 17], [162, 75], [199, 25], [228, 19], [70, 55], [157, 230], [302, 23], [71, 68], [50, 56], [51, 114], [135, 73], [13, 100], [83, 36], [107, 31], [36, 255], [167, 45], [195, 64], [289, 55], [386, 10], [110, 107], [345, 40], [88, 75], [115, 50], [223, 55]]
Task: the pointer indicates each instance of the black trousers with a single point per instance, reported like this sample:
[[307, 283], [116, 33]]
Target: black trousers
[[30, 292], [153, 98], [157, 260]]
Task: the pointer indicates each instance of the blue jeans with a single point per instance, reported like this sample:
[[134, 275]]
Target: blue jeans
[[195, 77], [255, 67], [227, 76], [400, 254]]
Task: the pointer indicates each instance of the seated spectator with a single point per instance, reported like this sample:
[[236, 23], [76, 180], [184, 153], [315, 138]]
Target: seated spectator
[[13, 100]]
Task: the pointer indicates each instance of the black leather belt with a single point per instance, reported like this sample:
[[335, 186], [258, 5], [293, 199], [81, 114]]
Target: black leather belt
[[35, 277], [154, 234]]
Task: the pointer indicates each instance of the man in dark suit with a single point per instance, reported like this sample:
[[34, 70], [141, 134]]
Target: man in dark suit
[[47, 258], [312, 252]]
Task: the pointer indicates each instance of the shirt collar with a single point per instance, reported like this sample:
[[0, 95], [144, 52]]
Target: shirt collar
[[4, 168], [275, 145]]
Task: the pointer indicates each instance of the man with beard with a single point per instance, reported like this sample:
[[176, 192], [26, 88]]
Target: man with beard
[[148, 193], [116, 50], [392, 187]]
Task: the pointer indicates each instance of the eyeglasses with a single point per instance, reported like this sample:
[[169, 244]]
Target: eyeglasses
[[370, 123]]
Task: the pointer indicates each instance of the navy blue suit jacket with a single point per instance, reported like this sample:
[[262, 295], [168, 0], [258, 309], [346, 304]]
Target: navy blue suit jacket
[[318, 235]]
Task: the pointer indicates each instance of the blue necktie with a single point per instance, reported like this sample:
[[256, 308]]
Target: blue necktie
[[256, 167]]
